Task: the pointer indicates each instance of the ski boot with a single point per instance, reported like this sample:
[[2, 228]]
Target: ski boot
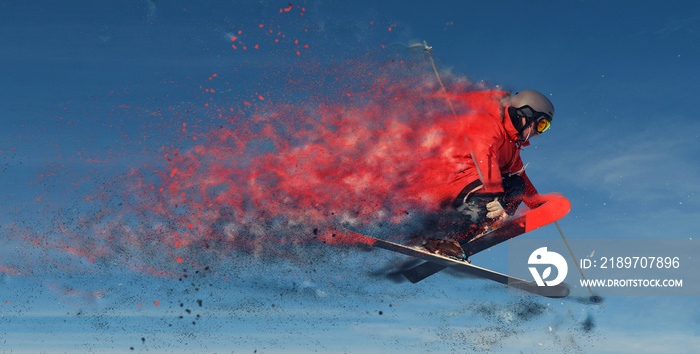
[[447, 248]]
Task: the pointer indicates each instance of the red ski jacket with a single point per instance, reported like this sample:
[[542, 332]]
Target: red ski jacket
[[493, 140]]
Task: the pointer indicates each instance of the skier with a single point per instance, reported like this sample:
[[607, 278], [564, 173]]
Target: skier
[[499, 184]]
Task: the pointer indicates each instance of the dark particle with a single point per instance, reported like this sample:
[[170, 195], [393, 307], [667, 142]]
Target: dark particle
[[588, 324], [381, 313], [199, 302], [143, 340], [188, 311]]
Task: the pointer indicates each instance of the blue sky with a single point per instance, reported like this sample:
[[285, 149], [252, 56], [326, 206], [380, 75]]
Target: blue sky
[[91, 91]]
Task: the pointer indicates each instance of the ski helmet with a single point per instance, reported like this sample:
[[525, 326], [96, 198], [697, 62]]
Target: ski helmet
[[532, 105]]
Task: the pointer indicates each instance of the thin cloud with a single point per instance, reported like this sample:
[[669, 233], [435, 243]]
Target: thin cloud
[[647, 167]]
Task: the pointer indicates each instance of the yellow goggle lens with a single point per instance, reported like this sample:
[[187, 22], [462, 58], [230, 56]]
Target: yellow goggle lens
[[543, 125]]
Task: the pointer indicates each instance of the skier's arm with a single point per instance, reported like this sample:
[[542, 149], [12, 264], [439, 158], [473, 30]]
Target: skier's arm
[[532, 198], [529, 187]]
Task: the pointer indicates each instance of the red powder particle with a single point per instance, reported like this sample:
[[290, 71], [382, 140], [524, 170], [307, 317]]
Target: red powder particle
[[233, 39], [172, 174], [261, 97], [179, 260], [157, 303], [256, 46]]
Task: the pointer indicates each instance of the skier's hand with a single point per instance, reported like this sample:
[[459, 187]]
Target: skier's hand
[[496, 211]]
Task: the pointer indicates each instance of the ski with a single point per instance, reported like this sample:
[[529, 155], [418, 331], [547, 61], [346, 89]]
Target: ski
[[547, 213], [559, 291]]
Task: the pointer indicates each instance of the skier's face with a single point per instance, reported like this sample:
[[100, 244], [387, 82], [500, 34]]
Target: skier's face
[[529, 131]]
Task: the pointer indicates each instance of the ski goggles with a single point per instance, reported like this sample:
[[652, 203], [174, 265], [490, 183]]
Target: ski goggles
[[542, 120]]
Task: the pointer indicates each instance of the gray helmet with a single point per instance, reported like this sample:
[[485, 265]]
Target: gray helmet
[[535, 100]]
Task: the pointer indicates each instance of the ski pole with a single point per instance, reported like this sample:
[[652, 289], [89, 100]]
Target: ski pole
[[427, 49], [572, 256]]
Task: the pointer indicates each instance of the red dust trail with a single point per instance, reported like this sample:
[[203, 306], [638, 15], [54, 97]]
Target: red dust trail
[[376, 153], [291, 174]]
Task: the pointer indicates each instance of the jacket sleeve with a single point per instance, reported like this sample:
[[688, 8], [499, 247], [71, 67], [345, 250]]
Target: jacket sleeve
[[530, 192]]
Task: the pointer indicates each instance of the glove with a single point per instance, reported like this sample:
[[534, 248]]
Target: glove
[[496, 211]]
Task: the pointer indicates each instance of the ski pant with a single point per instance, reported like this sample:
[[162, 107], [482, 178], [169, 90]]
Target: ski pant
[[473, 205]]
